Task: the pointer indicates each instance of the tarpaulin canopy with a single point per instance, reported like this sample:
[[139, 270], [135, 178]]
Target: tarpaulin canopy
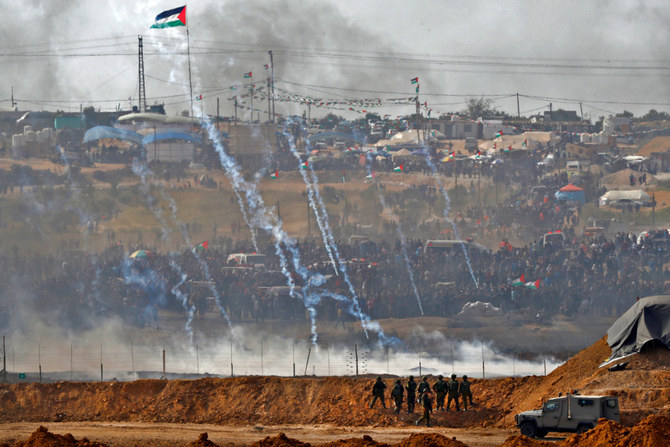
[[150, 138], [647, 320], [102, 132], [570, 187]]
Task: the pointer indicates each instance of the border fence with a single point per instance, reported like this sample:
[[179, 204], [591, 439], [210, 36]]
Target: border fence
[[61, 361]]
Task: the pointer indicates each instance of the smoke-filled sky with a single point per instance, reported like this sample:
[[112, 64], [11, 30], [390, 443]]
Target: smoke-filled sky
[[58, 54]]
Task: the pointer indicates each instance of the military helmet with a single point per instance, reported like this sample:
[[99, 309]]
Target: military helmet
[[453, 376], [440, 377], [465, 377]]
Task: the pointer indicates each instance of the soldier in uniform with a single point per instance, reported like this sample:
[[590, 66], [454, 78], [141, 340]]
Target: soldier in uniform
[[453, 390], [423, 386], [397, 393], [466, 394], [427, 404], [378, 392], [411, 394], [440, 388]]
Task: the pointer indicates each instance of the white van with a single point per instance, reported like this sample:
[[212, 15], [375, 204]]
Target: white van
[[553, 239]]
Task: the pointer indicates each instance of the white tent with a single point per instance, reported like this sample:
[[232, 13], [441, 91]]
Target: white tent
[[635, 195]]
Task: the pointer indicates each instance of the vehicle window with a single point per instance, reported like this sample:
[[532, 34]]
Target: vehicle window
[[551, 406], [611, 403], [585, 402]]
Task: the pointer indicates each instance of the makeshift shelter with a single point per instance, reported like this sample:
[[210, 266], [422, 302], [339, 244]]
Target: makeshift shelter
[[646, 321], [570, 193], [632, 195], [170, 146], [104, 132]]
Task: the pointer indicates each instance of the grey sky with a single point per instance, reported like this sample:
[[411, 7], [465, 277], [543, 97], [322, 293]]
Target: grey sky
[[342, 49]]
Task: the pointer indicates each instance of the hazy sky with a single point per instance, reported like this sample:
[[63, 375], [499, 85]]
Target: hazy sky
[[612, 55]]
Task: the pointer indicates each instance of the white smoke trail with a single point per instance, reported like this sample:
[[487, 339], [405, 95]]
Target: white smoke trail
[[447, 208], [401, 235]]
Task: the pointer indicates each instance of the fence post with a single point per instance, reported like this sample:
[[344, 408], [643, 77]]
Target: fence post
[[545, 366], [101, 369], [71, 362], [4, 360], [262, 372], [231, 359], [293, 359], [132, 356], [356, 359], [307, 363], [483, 366], [164, 375], [39, 360], [197, 359]]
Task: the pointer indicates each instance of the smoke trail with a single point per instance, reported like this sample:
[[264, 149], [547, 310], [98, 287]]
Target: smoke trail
[[447, 207], [310, 198], [261, 218], [183, 299], [245, 216], [330, 240], [401, 235], [152, 284], [142, 170]]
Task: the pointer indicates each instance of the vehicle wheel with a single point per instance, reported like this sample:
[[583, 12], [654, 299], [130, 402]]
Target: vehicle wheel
[[541, 433], [528, 429], [581, 428]]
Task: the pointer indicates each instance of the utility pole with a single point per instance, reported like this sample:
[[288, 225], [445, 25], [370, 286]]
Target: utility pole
[[217, 114], [518, 109], [13, 102], [418, 115], [140, 76], [581, 110], [272, 79]]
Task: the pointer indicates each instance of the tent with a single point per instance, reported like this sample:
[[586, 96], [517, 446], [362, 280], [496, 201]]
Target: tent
[[647, 320], [570, 193], [633, 195], [102, 132]]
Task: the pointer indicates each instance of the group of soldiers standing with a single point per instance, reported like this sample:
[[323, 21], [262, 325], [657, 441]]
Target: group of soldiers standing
[[453, 390]]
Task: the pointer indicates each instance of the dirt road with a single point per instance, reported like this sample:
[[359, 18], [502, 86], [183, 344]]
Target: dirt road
[[163, 435]]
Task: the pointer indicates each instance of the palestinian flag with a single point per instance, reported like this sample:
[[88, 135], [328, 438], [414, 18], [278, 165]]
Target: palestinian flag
[[520, 281], [267, 67], [171, 18], [478, 155], [499, 134], [275, 175], [452, 155], [304, 165], [198, 98], [370, 176], [202, 246], [495, 145], [414, 80], [525, 143], [398, 169], [508, 148], [247, 75], [533, 284]]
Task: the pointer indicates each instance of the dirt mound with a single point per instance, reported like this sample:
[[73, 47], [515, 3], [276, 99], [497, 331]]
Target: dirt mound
[[281, 440], [203, 441], [621, 180], [429, 440], [366, 441], [43, 438], [653, 431], [524, 441], [658, 144]]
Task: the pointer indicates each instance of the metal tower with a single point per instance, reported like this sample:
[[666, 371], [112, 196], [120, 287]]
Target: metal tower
[[140, 75]]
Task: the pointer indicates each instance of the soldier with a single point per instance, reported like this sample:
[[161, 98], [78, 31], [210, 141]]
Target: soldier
[[378, 392], [411, 394], [423, 386], [397, 394], [427, 404], [440, 388], [453, 392], [466, 394]]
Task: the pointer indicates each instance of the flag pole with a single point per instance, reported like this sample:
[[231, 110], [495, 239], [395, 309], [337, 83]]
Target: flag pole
[[188, 51]]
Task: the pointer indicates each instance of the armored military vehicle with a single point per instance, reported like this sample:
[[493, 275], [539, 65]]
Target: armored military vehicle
[[570, 413]]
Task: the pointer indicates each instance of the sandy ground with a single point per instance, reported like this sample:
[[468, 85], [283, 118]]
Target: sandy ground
[[155, 435]]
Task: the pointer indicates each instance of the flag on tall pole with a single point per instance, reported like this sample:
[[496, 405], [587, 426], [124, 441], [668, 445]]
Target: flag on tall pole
[[247, 75], [171, 18], [414, 80]]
